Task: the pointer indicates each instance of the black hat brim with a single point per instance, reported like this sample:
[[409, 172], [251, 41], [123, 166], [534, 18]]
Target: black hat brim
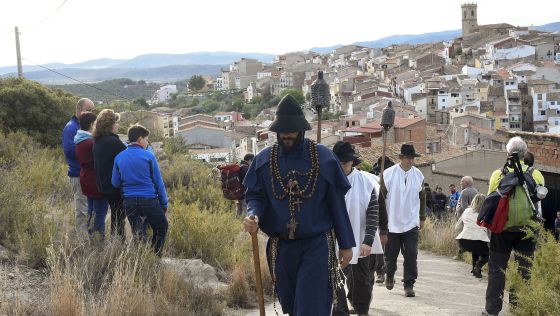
[[347, 157], [289, 124]]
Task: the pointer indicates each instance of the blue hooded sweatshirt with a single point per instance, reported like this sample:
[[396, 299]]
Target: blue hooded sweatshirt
[[82, 135]]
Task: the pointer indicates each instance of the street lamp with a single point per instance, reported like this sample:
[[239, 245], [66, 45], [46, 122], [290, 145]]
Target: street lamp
[[387, 121], [320, 98]]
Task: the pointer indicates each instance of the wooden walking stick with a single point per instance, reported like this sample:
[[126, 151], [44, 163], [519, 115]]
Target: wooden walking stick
[[257, 263]]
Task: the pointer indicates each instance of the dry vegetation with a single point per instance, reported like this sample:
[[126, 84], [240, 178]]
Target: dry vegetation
[[539, 296], [36, 219]]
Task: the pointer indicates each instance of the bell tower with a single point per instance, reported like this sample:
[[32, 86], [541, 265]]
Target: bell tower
[[469, 18]]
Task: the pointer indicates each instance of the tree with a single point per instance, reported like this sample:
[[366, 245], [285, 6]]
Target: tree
[[296, 93], [35, 109], [210, 106], [196, 83], [238, 106], [141, 102]]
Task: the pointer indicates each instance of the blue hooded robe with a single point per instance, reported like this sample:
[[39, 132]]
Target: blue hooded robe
[[301, 267]]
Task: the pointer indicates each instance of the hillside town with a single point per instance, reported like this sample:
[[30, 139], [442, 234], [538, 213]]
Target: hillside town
[[459, 98]]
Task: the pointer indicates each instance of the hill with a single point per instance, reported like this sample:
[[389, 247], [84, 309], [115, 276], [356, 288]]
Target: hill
[[123, 87], [159, 74]]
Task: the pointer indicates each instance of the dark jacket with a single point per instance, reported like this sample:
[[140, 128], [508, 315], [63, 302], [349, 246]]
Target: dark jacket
[[105, 149], [84, 154], [69, 147]]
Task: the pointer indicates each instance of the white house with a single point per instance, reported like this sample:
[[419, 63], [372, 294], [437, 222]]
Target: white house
[[164, 93]]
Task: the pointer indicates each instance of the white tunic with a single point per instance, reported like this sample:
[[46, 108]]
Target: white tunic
[[403, 201], [357, 201]]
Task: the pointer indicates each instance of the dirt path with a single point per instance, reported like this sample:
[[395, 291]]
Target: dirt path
[[444, 287]]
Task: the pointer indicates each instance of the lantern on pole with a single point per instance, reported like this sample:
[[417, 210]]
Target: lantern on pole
[[387, 121], [320, 98]]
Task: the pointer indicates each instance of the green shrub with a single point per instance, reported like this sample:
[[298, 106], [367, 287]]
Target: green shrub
[[41, 112], [541, 294]]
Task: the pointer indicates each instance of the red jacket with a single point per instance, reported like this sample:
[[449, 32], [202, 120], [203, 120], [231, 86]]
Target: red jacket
[[84, 153]]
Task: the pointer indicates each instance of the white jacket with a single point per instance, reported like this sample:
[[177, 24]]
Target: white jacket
[[470, 230]]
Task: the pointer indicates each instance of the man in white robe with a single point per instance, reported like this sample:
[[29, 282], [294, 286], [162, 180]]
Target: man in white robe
[[404, 200], [363, 211]]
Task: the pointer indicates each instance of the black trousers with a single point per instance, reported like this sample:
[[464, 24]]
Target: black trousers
[[407, 244], [478, 249], [501, 246], [118, 214], [380, 264], [360, 279]]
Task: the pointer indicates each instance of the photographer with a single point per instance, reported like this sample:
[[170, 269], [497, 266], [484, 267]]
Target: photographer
[[521, 217]]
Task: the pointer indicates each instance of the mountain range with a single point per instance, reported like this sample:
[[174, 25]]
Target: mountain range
[[171, 67]]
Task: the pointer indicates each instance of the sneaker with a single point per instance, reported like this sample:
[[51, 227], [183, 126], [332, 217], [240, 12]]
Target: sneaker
[[458, 258], [389, 282], [409, 292], [485, 313], [380, 279], [477, 272]]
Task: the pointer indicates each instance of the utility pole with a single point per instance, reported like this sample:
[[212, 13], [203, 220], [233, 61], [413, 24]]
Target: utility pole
[[18, 52]]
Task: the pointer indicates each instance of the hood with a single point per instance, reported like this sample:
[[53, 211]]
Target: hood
[[82, 135]]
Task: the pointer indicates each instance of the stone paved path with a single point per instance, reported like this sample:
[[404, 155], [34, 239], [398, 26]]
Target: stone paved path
[[444, 287]]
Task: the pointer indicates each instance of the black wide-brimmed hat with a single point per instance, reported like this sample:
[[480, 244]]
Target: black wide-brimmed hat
[[289, 117], [344, 151], [407, 150]]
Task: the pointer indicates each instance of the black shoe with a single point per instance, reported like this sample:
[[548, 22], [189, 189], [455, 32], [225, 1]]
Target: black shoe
[[485, 313], [390, 282], [477, 272], [380, 279], [409, 292]]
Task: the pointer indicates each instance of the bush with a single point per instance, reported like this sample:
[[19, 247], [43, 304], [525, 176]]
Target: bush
[[541, 294], [35, 197], [41, 112]]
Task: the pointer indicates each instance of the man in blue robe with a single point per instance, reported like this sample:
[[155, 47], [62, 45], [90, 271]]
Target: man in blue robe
[[295, 190]]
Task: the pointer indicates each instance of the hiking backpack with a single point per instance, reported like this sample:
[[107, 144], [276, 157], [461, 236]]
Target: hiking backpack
[[232, 188], [495, 208]]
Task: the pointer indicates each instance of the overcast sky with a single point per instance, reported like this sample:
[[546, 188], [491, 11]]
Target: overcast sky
[[88, 29]]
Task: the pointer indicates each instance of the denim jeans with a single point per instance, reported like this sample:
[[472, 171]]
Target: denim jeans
[[97, 211], [143, 211]]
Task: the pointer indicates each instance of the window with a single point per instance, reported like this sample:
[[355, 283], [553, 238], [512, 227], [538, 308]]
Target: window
[[465, 14], [539, 96], [514, 125], [543, 112], [442, 100], [472, 13]]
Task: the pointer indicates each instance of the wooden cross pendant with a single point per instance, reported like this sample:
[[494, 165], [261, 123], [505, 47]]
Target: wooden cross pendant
[[292, 227]]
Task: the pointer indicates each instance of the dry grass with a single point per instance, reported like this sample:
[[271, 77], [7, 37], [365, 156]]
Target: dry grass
[[119, 280], [438, 236], [36, 216]]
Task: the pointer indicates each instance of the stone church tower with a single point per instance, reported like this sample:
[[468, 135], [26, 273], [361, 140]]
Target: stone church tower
[[469, 17]]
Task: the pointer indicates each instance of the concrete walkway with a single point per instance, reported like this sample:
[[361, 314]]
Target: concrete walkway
[[444, 287]]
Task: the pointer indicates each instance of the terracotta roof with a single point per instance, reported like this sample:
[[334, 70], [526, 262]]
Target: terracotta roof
[[363, 129], [399, 122], [371, 154], [481, 130]]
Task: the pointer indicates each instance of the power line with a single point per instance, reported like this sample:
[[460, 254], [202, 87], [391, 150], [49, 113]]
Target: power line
[[79, 81], [47, 18]]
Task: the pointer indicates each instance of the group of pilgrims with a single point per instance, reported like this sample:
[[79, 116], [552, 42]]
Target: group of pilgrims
[[330, 223]]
